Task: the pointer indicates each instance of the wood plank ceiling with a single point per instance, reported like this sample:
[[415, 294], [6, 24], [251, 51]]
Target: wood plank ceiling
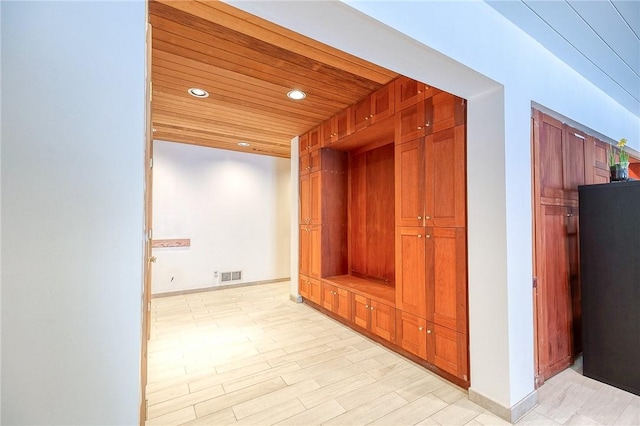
[[247, 65]]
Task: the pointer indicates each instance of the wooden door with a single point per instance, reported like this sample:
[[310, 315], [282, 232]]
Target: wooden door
[[596, 163], [411, 287], [446, 180], [327, 132], [314, 161], [315, 247], [573, 158], [315, 290], [303, 142], [305, 242], [554, 291], [409, 123], [411, 333], [409, 183], [315, 198], [315, 138], [328, 297], [447, 350], [341, 125], [361, 114], [305, 164], [446, 277], [303, 286], [148, 227], [383, 320], [448, 111], [343, 303], [361, 311], [408, 92], [305, 199], [383, 103]]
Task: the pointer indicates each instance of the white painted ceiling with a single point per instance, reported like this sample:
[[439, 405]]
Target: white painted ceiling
[[600, 39]]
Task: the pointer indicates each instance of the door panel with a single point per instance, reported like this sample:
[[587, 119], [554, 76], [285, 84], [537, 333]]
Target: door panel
[[361, 312], [447, 278], [412, 333], [409, 183], [411, 287], [554, 292], [383, 320]]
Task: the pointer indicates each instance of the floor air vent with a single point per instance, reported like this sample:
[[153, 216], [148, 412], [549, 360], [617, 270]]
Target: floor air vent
[[230, 277]]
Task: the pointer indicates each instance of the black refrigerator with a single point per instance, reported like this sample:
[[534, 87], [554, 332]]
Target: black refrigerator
[[610, 283]]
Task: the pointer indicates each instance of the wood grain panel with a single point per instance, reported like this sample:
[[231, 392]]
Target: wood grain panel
[[409, 183], [411, 333], [411, 285], [247, 65]]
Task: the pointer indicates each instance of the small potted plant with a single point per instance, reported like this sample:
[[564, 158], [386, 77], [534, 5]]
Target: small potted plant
[[619, 170]]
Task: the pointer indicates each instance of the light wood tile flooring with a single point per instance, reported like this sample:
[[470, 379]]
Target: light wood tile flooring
[[250, 356]]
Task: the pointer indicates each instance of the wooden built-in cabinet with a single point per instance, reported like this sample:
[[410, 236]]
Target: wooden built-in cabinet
[[563, 159], [310, 288], [384, 226], [376, 317]]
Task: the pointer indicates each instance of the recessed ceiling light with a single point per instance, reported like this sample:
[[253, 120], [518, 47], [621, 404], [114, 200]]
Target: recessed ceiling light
[[296, 94], [198, 93], [243, 143]]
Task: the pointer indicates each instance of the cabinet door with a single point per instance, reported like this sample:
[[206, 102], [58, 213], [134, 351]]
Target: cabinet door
[[315, 136], [315, 198], [361, 311], [314, 161], [305, 164], [343, 303], [596, 162], [327, 132], [383, 103], [341, 125], [303, 142], [314, 251], [304, 258], [446, 178], [361, 114], [383, 320], [554, 291], [448, 111], [448, 350], [411, 287], [328, 296], [411, 333], [315, 291], [409, 123], [446, 273], [573, 160], [303, 286], [409, 183], [305, 199], [408, 92]]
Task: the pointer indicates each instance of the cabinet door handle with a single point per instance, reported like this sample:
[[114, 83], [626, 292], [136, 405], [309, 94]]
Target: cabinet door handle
[[419, 236], [419, 127], [428, 124], [419, 217], [428, 236], [366, 306], [420, 328], [429, 331], [427, 217], [371, 308]]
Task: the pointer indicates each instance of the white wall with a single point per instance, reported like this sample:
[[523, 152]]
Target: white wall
[[235, 208], [467, 48], [72, 211]]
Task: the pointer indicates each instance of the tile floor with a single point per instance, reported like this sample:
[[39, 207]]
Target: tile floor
[[250, 356]]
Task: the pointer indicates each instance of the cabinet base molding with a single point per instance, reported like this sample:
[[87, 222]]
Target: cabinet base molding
[[389, 345], [510, 414]]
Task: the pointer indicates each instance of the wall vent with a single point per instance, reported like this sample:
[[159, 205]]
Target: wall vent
[[230, 277]]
